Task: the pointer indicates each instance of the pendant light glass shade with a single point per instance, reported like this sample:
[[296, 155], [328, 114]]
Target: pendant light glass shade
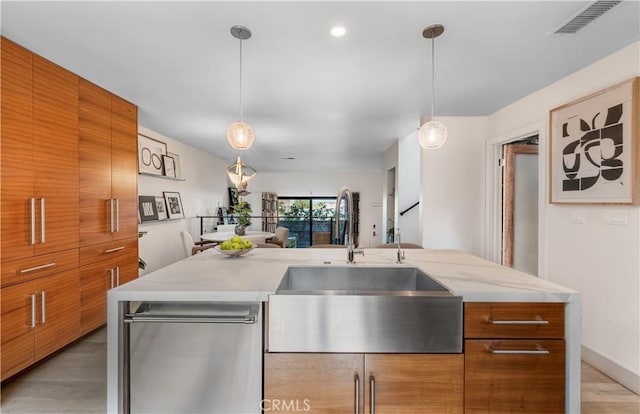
[[239, 173], [433, 134], [240, 135]]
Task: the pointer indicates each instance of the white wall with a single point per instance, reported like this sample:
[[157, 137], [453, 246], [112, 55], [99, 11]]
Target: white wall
[[408, 189], [368, 183], [204, 187], [599, 260], [453, 188]]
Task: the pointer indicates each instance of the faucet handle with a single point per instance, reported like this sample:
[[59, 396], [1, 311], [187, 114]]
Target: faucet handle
[[358, 251]]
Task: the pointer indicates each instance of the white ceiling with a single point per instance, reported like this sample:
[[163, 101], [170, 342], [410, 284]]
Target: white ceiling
[[333, 104]]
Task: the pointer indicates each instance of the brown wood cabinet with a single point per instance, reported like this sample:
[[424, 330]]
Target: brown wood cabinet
[[107, 166], [69, 151], [514, 358], [337, 383], [38, 318], [39, 189], [119, 265]]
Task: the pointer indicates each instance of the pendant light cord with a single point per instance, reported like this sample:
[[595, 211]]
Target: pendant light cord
[[433, 75], [240, 79]]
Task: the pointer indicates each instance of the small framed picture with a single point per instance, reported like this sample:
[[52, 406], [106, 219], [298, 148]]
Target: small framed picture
[[233, 197], [162, 208], [150, 152], [174, 205], [176, 164], [147, 208], [169, 166]]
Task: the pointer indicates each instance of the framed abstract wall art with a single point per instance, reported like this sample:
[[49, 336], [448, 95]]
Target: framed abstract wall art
[[150, 152], [593, 147]]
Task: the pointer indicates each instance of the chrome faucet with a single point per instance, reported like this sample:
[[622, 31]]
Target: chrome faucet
[[400, 252], [344, 191]]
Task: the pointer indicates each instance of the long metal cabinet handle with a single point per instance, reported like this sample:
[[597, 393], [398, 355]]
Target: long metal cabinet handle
[[33, 269], [111, 229], [33, 310], [115, 249], [357, 393], [117, 214], [33, 220], [372, 384], [132, 318], [538, 351], [112, 273], [42, 220], [43, 304], [532, 322], [117, 275]]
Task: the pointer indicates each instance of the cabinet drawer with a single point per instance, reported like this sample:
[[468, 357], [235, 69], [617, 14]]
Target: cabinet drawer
[[517, 375], [108, 250], [17, 271], [513, 320]]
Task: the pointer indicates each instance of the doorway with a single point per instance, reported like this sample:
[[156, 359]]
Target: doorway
[[520, 205]]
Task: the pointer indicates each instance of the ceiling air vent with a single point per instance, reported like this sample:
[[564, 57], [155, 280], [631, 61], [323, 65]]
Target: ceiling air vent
[[591, 11]]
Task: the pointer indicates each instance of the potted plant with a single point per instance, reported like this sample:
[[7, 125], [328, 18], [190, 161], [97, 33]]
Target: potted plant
[[243, 211]]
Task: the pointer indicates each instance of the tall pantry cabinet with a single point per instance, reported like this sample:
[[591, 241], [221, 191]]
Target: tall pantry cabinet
[[108, 193], [41, 201]]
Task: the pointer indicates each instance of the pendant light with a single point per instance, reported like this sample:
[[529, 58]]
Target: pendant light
[[433, 134], [240, 173], [240, 134]]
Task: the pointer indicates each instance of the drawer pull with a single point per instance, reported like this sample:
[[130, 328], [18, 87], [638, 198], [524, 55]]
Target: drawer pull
[[538, 351], [115, 249], [357, 394], [33, 269], [534, 322]]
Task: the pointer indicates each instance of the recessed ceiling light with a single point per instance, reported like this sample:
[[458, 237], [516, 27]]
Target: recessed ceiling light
[[338, 31]]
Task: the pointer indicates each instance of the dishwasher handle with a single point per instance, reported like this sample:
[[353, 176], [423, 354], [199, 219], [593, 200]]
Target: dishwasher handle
[[133, 317]]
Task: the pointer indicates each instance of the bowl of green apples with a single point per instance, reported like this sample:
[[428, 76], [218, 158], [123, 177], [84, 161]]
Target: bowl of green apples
[[235, 246]]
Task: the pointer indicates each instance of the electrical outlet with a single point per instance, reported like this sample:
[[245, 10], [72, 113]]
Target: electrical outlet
[[616, 217], [578, 216]]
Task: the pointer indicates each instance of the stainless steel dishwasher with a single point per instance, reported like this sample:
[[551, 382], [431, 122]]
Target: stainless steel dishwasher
[[186, 357]]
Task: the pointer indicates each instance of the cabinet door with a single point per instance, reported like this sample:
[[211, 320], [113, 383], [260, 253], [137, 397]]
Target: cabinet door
[[506, 376], [55, 135], [17, 151], [57, 313], [124, 165], [17, 349], [127, 266], [95, 280], [325, 383], [94, 163], [414, 383]]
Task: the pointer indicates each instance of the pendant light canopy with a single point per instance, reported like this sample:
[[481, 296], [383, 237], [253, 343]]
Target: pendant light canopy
[[433, 134], [240, 134], [240, 173]]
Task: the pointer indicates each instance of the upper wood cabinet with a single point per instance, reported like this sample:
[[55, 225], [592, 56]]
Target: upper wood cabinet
[[39, 189], [107, 166]]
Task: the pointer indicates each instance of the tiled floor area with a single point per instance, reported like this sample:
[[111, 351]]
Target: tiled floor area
[[74, 382]]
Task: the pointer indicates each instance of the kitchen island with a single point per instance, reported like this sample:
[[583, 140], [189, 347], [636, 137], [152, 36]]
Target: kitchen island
[[213, 277]]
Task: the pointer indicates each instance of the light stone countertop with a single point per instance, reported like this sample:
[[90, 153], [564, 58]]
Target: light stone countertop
[[212, 276]]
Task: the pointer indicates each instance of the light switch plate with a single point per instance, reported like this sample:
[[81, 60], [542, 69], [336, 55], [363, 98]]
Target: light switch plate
[[616, 217]]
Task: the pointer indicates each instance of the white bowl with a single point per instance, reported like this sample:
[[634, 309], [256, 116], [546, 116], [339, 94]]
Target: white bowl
[[234, 253]]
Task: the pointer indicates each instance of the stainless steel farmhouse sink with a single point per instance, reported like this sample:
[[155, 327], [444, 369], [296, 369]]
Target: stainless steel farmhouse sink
[[396, 309]]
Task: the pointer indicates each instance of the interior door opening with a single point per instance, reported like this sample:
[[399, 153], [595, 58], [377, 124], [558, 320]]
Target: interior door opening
[[520, 205]]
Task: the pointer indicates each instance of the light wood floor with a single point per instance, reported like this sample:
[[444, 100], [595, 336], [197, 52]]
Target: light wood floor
[[74, 381]]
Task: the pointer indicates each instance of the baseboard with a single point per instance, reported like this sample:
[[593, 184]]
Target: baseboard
[[611, 369]]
